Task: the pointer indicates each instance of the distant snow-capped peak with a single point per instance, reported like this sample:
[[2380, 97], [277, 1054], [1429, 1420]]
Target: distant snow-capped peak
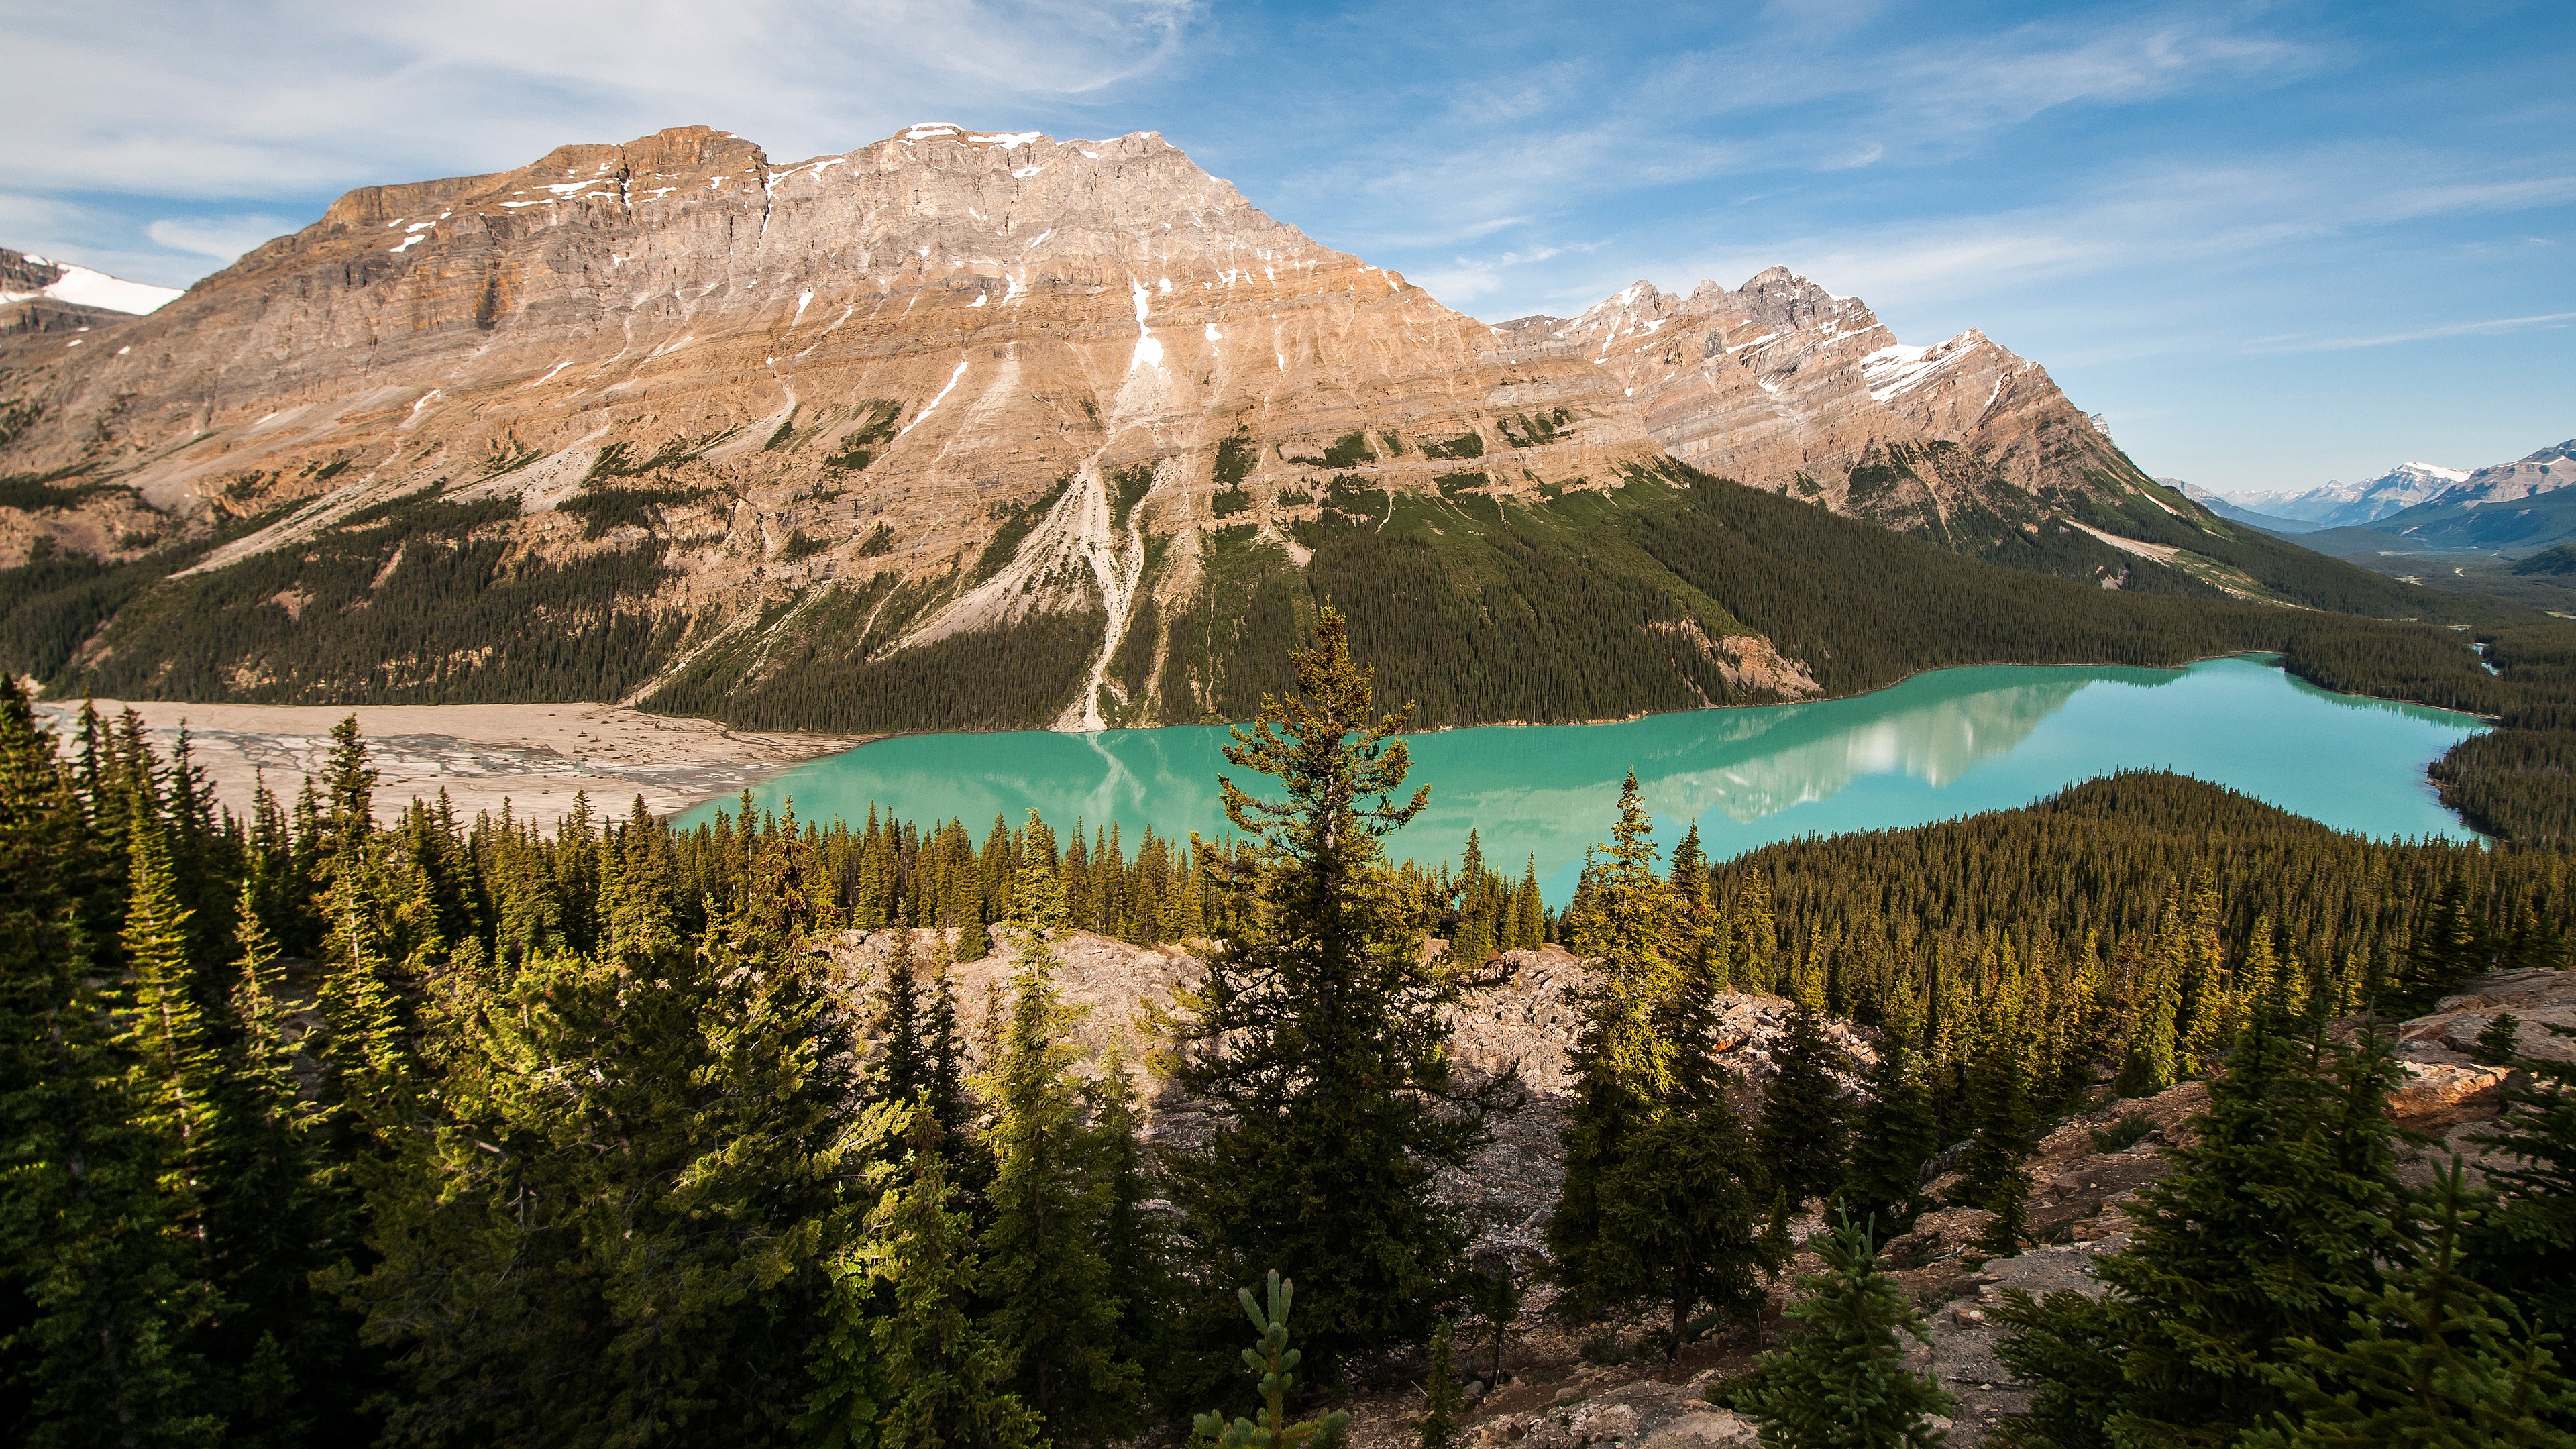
[[24, 275]]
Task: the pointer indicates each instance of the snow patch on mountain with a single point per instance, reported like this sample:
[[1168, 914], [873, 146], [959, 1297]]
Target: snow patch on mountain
[[80, 286]]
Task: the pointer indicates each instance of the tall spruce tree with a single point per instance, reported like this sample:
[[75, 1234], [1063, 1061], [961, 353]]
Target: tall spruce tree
[[1529, 912], [1318, 1037], [1802, 1138], [2287, 1199], [899, 1362], [1057, 1309], [1843, 1383], [1894, 1133], [103, 1291], [1658, 1204], [2526, 1243], [1992, 1172], [903, 1065]]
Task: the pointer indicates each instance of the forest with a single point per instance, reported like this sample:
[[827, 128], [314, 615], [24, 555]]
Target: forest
[[333, 1125]]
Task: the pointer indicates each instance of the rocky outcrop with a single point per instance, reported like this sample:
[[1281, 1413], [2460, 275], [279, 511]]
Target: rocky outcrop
[[848, 369], [1781, 384]]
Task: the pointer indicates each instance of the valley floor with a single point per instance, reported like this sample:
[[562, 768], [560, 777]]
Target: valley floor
[[537, 757]]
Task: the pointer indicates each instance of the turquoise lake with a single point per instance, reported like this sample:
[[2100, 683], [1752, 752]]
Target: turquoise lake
[[1938, 746]]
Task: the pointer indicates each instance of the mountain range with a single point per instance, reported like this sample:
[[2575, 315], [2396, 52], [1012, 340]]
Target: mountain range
[[2338, 505], [990, 428]]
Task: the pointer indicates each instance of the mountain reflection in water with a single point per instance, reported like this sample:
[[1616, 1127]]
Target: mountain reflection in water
[[1940, 745]]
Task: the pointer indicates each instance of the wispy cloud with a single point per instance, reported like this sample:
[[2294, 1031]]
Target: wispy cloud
[[292, 95], [2489, 328], [221, 237]]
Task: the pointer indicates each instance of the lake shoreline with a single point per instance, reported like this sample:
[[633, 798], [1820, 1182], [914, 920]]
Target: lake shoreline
[[534, 760]]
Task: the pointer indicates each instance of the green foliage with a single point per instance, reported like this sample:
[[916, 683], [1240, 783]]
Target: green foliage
[[858, 446], [1894, 1133], [1659, 1201], [1229, 502], [1441, 1403], [407, 601], [1842, 1383], [36, 492], [1349, 450], [2126, 1131], [1044, 1250], [2527, 1242], [799, 546], [1318, 1039], [818, 659], [1803, 1138], [1453, 484], [1465, 445], [1235, 455], [2427, 1358], [2499, 1040], [1992, 1174], [1276, 1363], [2079, 923], [900, 1364], [1127, 488], [1530, 430], [878, 543], [605, 510], [2559, 562], [2285, 1204], [1013, 523]]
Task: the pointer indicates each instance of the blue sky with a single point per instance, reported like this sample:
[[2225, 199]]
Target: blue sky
[[2272, 243]]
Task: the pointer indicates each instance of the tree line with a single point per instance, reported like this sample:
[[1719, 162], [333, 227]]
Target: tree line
[[322, 1129]]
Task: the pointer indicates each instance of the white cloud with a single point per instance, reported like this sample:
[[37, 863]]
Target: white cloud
[[2488, 328], [275, 97], [2149, 221], [220, 237]]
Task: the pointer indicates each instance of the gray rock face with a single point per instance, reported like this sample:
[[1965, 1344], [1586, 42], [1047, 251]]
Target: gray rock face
[[1780, 384], [1640, 1415]]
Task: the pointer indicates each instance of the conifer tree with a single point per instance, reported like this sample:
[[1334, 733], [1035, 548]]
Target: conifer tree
[[1992, 1174], [1440, 1399], [2499, 1041], [2526, 1244], [1529, 912], [1802, 1137], [162, 1032], [103, 1286], [1474, 940], [1318, 1036], [1057, 1308], [2288, 1197], [1893, 1134], [899, 1363], [1276, 1363], [1843, 1384], [903, 1064], [2429, 1358], [1134, 1236], [1656, 1206]]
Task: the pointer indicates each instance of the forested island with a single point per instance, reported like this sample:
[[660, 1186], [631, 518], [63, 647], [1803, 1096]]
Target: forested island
[[322, 1130]]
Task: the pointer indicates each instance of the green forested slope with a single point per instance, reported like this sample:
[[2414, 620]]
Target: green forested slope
[[1586, 605]]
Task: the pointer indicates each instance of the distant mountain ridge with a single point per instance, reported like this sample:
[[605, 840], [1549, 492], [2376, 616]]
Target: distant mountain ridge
[[966, 428], [49, 304], [2340, 505]]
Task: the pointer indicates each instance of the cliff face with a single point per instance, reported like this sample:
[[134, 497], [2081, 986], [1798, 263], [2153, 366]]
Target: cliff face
[[870, 363], [1780, 384], [963, 429]]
